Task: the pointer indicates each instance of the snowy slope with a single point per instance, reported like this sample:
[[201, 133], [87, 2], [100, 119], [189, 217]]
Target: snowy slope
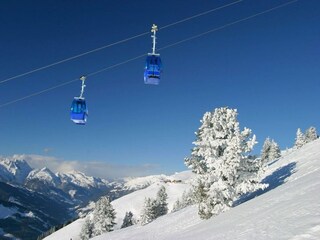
[[289, 210], [134, 201]]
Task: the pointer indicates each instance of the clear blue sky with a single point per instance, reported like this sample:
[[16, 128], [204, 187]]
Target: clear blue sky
[[267, 67]]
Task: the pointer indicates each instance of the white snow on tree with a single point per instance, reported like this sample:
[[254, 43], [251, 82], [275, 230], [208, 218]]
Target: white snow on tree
[[265, 152], [103, 217], [148, 212], [154, 208], [275, 151], [128, 220], [311, 134], [300, 139], [177, 206], [270, 151], [220, 159], [87, 229], [161, 207], [187, 199]]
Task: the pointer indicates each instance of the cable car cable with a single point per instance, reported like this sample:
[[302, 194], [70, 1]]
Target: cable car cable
[[71, 81], [115, 43], [143, 55], [228, 25], [200, 14]]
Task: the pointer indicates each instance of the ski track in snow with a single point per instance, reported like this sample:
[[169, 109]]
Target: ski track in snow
[[288, 210]]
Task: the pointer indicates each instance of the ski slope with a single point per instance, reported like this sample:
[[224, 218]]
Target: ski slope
[[288, 209], [134, 201]]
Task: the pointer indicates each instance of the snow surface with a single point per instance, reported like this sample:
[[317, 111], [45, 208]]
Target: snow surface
[[14, 200], [288, 209], [14, 169], [9, 236], [44, 175], [82, 180], [28, 214], [134, 202], [142, 182]]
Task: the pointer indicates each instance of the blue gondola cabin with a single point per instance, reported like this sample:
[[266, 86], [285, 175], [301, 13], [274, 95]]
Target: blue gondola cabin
[[79, 111], [152, 70]]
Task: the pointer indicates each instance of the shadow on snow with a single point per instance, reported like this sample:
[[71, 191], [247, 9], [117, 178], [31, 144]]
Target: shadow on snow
[[274, 180]]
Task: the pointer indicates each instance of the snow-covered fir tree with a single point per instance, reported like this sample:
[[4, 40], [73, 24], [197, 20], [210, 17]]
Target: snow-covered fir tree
[[311, 134], [177, 206], [187, 199], [103, 216], [270, 151], [148, 213], [128, 220], [275, 151], [154, 208], [300, 139], [161, 207], [87, 229], [265, 152], [220, 159]]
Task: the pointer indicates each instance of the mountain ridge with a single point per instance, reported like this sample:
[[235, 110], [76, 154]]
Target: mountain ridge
[[65, 193]]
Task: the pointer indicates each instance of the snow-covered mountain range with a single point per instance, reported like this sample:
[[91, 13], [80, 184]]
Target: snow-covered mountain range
[[17, 171], [14, 170], [34, 200], [287, 209]]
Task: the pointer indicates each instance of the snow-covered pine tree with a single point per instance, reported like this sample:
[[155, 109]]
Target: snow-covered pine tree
[[176, 206], [220, 159], [148, 212], [128, 220], [161, 207], [311, 134], [187, 199], [87, 229], [270, 151], [265, 152], [300, 139], [275, 151], [103, 217]]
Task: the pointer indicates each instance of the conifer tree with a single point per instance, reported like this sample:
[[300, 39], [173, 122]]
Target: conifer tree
[[275, 151], [128, 220], [300, 139], [161, 207], [176, 206], [148, 212], [187, 199], [86, 230], [220, 160], [270, 151], [103, 217], [265, 152], [311, 134]]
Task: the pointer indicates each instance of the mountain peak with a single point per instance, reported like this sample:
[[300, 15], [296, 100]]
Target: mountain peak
[[14, 169], [44, 175]]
